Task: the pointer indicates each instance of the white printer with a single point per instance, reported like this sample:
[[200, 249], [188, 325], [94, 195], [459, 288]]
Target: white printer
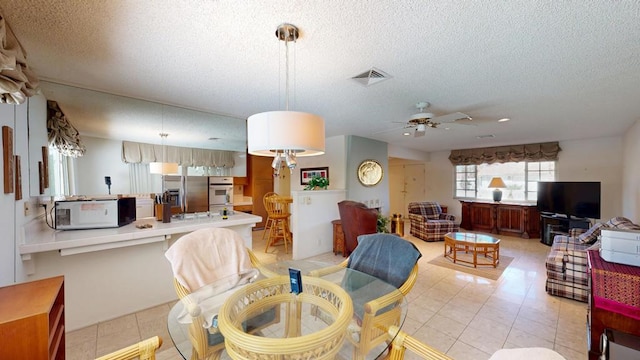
[[620, 246]]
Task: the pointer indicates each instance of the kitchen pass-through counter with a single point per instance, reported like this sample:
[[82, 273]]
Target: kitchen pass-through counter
[[112, 272], [39, 237]]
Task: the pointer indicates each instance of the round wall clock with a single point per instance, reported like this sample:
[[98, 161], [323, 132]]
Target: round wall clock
[[370, 173]]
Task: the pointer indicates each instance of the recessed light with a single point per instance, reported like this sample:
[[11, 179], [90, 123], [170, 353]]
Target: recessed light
[[504, 120], [406, 133]]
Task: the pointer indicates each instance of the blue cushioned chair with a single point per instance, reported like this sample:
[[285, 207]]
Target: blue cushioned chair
[[389, 258]]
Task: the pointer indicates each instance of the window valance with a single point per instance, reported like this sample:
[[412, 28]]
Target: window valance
[[62, 135], [17, 80], [133, 152], [515, 153]]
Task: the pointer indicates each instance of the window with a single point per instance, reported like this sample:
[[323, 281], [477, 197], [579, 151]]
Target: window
[[521, 179]]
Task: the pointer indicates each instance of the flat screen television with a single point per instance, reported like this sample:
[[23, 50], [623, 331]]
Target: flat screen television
[[573, 199]]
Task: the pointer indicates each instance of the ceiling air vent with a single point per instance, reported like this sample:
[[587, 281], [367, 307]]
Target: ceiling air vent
[[485, 136], [371, 77]]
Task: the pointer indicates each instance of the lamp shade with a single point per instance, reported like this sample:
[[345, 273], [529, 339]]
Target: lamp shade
[[163, 168], [497, 183], [272, 131]]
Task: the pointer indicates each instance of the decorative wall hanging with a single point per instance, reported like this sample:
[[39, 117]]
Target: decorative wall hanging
[[45, 166], [41, 176], [18, 172], [7, 158], [370, 173]]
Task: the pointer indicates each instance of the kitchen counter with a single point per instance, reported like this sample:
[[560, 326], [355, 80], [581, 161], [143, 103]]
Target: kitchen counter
[[38, 237]]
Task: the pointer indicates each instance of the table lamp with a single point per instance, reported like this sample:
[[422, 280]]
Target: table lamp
[[497, 184]]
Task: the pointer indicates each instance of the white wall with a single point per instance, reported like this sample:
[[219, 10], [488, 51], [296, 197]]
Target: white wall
[[7, 203], [598, 159], [312, 212], [407, 154], [334, 157], [102, 158], [631, 173], [358, 150]]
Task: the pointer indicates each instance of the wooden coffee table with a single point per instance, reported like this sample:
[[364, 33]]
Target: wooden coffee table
[[475, 244]]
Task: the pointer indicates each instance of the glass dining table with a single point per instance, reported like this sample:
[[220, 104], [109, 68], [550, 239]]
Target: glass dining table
[[292, 319]]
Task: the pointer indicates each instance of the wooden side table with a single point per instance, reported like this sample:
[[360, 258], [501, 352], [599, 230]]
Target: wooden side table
[[338, 238]]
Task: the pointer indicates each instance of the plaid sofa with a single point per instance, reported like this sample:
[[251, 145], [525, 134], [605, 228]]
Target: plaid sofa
[[566, 263], [429, 223]]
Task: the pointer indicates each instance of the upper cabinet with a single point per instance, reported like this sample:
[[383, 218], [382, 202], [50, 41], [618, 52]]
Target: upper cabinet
[[38, 146]]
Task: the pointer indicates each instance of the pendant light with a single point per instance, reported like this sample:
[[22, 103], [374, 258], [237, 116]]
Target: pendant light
[[163, 167], [285, 134]]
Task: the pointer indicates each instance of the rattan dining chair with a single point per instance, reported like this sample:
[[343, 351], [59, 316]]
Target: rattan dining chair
[[375, 255], [200, 258], [401, 341], [143, 350]]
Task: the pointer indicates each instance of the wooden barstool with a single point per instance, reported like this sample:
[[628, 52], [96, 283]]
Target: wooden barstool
[[268, 223], [278, 211]]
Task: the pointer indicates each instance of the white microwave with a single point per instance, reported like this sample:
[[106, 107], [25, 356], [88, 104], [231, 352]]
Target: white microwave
[[94, 214]]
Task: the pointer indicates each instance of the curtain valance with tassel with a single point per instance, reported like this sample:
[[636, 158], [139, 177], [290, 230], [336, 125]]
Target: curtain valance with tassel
[[63, 136], [501, 154], [133, 152], [17, 80]]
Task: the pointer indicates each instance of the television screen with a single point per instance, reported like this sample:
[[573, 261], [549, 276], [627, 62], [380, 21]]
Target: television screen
[[578, 199]]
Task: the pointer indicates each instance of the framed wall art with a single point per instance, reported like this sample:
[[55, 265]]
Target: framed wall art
[[18, 179], [307, 173], [7, 158]]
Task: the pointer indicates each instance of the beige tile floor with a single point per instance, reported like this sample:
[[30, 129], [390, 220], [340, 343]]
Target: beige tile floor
[[464, 316]]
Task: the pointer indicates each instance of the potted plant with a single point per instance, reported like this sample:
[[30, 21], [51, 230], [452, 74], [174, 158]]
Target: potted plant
[[382, 223], [317, 182]]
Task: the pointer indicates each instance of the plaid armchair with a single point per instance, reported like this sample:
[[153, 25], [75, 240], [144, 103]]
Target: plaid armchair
[[429, 223]]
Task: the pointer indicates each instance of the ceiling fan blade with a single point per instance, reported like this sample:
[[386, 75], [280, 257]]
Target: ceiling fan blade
[[449, 118]]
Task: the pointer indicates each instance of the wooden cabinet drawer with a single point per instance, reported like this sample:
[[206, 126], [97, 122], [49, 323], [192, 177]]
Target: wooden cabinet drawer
[[243, 208]]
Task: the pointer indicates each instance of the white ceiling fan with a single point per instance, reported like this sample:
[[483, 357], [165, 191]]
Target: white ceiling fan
[[422, 120]]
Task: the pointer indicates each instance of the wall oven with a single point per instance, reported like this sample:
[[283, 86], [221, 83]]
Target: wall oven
[[220, 193]]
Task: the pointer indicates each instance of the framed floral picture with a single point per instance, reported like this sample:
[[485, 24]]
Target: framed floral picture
[[307, 173]]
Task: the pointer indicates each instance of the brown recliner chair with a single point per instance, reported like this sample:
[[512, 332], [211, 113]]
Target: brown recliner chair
[[357, 219]]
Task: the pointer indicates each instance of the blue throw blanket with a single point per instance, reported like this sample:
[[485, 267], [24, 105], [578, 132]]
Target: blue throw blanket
[[385, 256]]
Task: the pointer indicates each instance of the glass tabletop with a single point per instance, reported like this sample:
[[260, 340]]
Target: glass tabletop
[[361, 287], [472, 238]]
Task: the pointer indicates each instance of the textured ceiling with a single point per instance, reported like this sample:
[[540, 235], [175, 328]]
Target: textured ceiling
[[560, 70]]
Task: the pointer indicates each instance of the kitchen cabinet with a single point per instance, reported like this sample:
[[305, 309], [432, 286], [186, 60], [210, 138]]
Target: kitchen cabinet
[[260, 176], [243, 208], [240, 180], [521, 220], [32, 320]]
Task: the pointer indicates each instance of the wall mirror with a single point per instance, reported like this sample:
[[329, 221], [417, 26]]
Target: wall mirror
[[108, 116], [37, 125]]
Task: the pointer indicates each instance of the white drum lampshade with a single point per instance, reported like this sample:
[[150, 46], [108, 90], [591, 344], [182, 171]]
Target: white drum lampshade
[[163, 168], [277, 131]]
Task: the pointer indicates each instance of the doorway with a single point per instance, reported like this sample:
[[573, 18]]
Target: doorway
[[406, 184]]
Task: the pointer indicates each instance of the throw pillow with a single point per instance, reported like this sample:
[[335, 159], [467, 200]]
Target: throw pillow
[[592, 234], [620, 222]]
